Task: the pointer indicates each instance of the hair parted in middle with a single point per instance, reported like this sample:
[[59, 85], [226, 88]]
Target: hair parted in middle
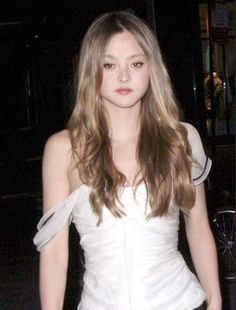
[[163, 152]]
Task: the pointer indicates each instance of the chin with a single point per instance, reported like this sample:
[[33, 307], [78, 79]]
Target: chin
[[122, 105]]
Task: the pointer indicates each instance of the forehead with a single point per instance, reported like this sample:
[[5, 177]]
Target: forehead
[[122, 44]]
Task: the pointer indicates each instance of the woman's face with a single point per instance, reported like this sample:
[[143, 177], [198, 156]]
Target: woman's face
[[125, 72]]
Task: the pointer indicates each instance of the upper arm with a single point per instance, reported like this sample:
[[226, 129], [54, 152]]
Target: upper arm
[[55, 165], [197, 217], [56, 186]]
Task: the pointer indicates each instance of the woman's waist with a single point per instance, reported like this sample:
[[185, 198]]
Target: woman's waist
[[143, 282], [144, 265]]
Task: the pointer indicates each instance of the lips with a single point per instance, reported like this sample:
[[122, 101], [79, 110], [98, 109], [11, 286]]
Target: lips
[[123, 91]]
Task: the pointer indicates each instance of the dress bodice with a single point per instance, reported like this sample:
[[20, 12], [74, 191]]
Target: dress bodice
[[131, 263]]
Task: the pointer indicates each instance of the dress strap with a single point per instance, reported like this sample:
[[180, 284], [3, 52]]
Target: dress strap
[[53, 220]]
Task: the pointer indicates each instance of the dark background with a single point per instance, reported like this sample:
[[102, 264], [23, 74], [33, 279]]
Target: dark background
[[39, 43]]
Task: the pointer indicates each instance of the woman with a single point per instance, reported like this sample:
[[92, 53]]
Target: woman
[[121, 173]]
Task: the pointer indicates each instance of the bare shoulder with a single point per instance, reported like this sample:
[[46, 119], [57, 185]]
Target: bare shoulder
[[55, 166], [58, 160], [57, 151], [59, 142]]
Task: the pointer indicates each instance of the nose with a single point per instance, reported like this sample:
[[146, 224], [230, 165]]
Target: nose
[[124, 74]]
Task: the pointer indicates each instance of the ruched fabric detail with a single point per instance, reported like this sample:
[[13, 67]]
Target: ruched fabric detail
[[131, 263]]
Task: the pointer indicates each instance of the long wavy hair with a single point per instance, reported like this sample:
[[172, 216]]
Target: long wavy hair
[[163, 152]]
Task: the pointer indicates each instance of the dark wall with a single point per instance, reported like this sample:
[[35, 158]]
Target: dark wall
[[178, 30], [38, 42], [45, 36]]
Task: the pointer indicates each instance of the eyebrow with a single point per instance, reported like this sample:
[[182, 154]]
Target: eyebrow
[[130, 57]]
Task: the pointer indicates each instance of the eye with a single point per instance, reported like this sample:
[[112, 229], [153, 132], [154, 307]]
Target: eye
[[138, 64], [108, 66]]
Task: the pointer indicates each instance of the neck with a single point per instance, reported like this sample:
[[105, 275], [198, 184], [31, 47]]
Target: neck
[[123, 123]]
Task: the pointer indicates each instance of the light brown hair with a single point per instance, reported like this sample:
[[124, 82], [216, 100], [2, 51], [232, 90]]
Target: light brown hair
[[163, 151]]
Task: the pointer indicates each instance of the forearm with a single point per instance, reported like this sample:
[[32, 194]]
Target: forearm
[[203, 251], [53, 272]]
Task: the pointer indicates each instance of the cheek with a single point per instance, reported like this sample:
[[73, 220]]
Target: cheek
[[104, 85], [145, 79]]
